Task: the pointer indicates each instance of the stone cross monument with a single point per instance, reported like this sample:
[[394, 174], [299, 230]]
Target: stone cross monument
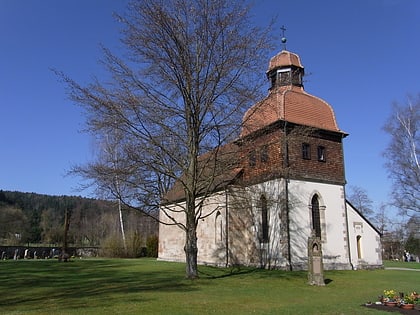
[[315, 265]]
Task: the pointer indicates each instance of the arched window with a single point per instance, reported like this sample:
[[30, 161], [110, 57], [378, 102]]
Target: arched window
[[218, 227], [359, 246], [264, 219], [316, 220]]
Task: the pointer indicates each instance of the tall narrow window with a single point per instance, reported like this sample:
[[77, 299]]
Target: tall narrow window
[[264, 219], [273, 78], [306, 151], [297, 75], [316, 220], [252, 158], [264, 154], [321, 154], [359, 246], [218, 227]]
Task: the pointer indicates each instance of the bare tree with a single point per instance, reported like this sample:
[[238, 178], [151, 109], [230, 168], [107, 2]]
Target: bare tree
[[191, 69], [381, 219], [111, 157], [359, 198], [402, 155]]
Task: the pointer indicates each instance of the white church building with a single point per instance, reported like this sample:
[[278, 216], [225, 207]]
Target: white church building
[[283, 182]]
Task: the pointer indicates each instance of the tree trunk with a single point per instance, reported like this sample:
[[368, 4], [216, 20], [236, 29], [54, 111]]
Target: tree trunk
[[122, 225], [190, 248], [191, 252], [64, 256]]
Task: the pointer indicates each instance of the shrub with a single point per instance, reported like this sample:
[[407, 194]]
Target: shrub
[[152, 246], [112, 247], [134, 245]]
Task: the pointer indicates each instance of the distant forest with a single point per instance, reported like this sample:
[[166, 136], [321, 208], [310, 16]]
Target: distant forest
[[29, 218]]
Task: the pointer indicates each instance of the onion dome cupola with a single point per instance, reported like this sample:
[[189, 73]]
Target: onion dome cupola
[[285, 69], [288, 101]]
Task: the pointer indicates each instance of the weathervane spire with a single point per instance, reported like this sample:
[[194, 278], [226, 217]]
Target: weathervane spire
[[283, 38]]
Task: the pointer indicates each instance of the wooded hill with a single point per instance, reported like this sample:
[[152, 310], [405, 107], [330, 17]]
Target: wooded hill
[[35, 218]]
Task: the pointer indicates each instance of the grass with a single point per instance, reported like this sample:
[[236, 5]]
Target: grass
[[401, 264], [146, 286]]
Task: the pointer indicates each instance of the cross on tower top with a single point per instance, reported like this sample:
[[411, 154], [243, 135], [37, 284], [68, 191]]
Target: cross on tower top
[[283, 38]]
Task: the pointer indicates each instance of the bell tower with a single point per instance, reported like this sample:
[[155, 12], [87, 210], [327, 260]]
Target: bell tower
[[285, 69]]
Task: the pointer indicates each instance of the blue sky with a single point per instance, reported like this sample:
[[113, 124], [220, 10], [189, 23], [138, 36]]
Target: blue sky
[[361, 56]]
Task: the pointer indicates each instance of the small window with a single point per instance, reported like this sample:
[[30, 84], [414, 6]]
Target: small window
[[273, 80], [252, 158], [306, 151], [284, 76], [264, 154], [321, 154], [297, 77]]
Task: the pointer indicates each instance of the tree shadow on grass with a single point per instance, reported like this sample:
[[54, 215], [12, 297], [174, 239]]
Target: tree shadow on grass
[[41, 284], [327, 281], [216, 272], [210, 272]]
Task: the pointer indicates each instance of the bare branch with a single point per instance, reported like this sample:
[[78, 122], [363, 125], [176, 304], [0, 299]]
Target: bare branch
[[402, 155]]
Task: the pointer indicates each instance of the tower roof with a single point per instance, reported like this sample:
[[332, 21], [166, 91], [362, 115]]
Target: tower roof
[[284, 59], [290, 103]]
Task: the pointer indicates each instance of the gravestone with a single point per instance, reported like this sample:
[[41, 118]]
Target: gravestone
[[16, 255], [315, 265]]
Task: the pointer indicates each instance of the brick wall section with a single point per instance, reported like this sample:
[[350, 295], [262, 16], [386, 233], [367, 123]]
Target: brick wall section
[[263, 171], [330, 171]]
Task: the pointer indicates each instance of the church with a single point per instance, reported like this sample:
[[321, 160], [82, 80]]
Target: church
[[283, 182]]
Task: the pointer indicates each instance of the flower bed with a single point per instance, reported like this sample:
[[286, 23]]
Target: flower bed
[[390, 300]]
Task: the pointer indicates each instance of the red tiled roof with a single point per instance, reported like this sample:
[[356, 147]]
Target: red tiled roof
[[218, 168], [292, 104]]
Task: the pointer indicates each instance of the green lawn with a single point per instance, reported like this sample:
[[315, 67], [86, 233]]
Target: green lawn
[[146, 286], [401, 264]]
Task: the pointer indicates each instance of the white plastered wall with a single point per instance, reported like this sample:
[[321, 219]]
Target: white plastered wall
[[365, 241], [210, 232], [333, 222], [213, 247]]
